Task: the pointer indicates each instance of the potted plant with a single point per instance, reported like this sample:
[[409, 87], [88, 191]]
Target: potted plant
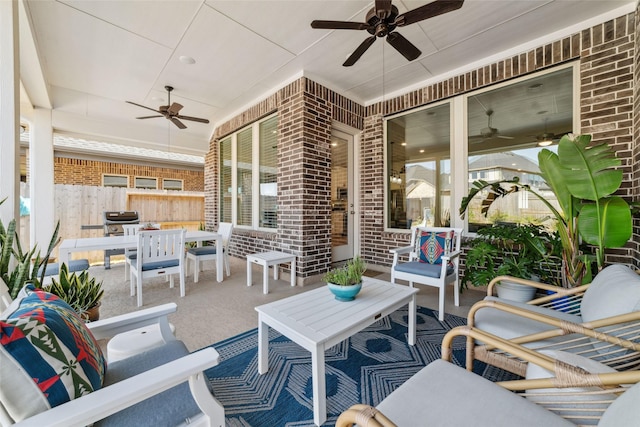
[[81, 291], [17, 267], [345, 282], [527, 251], [584, 178]]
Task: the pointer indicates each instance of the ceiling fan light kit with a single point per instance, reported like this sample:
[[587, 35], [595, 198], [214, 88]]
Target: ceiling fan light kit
[[171, 111], [382, 20]]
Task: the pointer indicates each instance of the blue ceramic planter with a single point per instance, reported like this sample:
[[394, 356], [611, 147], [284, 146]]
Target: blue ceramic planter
[[345, 293]]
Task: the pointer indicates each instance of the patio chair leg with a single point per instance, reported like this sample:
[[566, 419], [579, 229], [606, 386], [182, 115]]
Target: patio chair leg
[[441, 304]]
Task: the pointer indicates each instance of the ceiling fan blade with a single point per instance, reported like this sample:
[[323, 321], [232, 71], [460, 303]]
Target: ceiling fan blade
[[193, 119], [174, 108], [383, 8], [177, 123], [430, 10], [339, 25], [148, 117], [505, 137], [366, 44], [404, 46], [140, 105]]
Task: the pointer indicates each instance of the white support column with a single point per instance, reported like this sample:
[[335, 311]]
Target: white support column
[[41, 175], [9, 112]]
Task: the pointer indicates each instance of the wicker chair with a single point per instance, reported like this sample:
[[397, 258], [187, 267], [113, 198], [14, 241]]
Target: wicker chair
[[566, 394], [600, 321]]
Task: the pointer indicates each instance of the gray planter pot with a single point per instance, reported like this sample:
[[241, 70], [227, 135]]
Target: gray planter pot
[[515, 291]]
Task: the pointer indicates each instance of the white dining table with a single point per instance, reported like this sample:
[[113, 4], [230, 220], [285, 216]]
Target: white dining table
[[68, 246]]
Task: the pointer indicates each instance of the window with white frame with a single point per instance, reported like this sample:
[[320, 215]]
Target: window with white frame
[[172, 184], [248, 176], [419, 167], [508, 126], [145, 182], [268, 164], [501, 129], [115, 181]]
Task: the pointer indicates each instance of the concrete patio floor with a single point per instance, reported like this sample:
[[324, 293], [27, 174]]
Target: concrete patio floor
[[213, 311]]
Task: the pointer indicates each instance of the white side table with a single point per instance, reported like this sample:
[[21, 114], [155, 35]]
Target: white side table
[[268, 259]]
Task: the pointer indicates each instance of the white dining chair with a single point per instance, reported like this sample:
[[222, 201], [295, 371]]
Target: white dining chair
[[131, 230], [159, 253], [205, 253]]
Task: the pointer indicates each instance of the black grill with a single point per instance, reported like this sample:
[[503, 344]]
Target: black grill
[[113, 221]]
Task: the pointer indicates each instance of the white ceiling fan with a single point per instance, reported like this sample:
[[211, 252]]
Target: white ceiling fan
[[489, 131]]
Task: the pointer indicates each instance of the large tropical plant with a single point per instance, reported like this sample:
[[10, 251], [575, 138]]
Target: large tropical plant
[[584, 178]]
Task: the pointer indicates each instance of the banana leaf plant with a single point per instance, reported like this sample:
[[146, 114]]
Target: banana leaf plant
[[583, 178]]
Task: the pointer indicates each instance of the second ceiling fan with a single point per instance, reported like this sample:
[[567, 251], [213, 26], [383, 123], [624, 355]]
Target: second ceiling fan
[[171, 111], [383, 19]]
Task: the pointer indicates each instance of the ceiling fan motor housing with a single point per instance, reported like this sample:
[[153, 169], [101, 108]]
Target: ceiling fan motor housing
[[381, 27]]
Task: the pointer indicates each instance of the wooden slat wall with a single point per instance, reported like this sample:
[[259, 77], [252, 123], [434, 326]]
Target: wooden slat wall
[[77, 205]]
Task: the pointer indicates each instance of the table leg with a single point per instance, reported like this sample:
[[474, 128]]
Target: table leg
[[263, 346], [63, 256], [412, 321], [319, 386], [293, 272], [265, 278], [276, 271], [249, 272], [219, 259]]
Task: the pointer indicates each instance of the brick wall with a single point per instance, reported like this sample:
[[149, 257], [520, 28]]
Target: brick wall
[[89, 172], [635, 147], [305, 113], [606, 53], [607, 59]]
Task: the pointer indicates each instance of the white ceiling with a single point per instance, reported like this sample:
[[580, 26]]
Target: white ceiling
[[96, 54]]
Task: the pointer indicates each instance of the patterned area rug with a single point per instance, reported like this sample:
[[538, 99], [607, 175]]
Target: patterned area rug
[[364, 369]]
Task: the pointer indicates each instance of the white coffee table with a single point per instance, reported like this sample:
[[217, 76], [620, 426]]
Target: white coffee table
[[266, 260], [316, 321]]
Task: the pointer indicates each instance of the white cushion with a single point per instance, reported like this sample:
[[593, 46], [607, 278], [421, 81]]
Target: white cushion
[[443, 394], [615, 290], [507, 325], [624, 410], [577, 401]]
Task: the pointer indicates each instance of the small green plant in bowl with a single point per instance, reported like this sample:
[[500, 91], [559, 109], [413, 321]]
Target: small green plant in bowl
[[345, 282]]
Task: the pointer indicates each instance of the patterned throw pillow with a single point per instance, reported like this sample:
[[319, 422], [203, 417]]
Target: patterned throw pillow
[[47, 355], [433, 245]]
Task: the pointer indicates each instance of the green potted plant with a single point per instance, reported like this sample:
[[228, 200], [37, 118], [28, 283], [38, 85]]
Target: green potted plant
[[81, 291], [584, 178], [527, 251], [345, 282], [17, 267]]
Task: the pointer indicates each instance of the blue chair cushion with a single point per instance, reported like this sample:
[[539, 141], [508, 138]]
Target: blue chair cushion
[[53, 269], [423, 268], [433, 245], [169, 408], [156, 265], [203, 250]]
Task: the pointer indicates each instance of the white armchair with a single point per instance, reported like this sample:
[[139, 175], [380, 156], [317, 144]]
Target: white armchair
[[433, 257], [165, 385]]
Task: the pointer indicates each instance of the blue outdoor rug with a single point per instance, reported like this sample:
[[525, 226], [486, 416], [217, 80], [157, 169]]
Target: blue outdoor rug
[[364, 369]]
